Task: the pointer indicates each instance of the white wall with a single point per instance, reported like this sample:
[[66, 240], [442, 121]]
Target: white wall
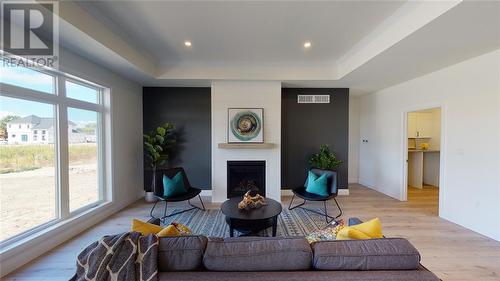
[[469, 93], [126, 142], [251, 94], [126, 102], [354, 140]]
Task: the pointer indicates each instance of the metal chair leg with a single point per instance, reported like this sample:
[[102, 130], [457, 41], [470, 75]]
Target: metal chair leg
[[326, 213], [297, 206], [165, 210], [338, 206], [328, 218], [183, 211], [152, 209], [202, 205]]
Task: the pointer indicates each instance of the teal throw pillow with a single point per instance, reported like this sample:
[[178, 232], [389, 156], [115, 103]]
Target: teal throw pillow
[[174, 186], [317, 185]]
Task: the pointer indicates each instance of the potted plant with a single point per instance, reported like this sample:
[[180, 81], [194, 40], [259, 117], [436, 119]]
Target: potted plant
[[324, 159], [157, 145]]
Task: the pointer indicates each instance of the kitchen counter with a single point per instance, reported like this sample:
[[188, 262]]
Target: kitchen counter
[[423, 166]]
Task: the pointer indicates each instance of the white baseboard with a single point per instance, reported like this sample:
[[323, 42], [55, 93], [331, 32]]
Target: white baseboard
[[366, 184], [344, 192], [286, 192], [207, 193]]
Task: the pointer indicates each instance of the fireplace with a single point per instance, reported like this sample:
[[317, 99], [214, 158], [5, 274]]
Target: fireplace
[[246, 175]]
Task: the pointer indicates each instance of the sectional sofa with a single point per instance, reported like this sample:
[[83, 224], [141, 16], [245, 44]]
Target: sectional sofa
[[288, 259]]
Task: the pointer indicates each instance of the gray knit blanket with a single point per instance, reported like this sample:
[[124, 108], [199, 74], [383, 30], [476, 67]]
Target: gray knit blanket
[[122, 257]]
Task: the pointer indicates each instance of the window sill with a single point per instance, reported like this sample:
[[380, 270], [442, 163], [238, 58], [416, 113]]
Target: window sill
[[52, 228]]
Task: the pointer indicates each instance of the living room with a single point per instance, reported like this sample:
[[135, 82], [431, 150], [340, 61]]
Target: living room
[[150, 120]]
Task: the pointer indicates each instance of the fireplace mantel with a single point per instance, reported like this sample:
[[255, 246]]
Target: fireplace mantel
[[246, 145]]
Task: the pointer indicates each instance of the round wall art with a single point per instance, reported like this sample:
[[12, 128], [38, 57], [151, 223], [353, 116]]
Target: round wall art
[[245, 125]]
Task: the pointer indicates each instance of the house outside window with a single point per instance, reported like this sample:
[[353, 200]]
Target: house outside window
[[43, 107]]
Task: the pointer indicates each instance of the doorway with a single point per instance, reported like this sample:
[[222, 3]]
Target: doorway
[[423, 139]]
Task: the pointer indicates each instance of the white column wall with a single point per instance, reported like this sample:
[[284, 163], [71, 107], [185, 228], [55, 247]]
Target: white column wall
[[246, 94]]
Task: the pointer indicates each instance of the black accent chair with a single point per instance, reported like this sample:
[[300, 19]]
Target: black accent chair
[[190, 194], [301, 192]]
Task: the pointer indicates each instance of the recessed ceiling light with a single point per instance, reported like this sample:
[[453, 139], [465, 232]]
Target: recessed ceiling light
[[307, 44], [187, 43]]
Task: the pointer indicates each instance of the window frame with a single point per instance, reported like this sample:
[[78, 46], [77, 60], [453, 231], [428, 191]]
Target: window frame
[[61, 103]]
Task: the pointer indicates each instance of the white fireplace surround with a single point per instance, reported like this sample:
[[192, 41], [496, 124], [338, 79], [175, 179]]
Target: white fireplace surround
[[243, 94]]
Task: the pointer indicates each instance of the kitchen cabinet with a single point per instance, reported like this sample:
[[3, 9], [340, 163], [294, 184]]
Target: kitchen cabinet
[[420, 124]]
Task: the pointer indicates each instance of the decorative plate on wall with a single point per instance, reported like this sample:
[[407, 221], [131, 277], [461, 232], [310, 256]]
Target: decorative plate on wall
[[245, 125]]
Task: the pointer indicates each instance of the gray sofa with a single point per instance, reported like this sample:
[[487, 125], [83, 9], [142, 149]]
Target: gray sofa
[[288, 258]]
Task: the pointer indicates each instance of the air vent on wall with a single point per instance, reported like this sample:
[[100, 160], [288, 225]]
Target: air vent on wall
[[313, 98]]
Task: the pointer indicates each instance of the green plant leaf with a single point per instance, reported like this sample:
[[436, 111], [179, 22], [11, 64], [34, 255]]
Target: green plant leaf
[[325, 159], [160, 139], [161, 131], [158, 144]]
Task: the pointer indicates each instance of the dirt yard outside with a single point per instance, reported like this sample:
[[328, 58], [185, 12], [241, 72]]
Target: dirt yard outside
[[28, 198]]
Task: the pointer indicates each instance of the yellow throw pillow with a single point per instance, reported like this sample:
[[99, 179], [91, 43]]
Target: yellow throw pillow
[[349, 233], [174, 229], [169, 231], [145, 228], [372, 228], [184, 230]]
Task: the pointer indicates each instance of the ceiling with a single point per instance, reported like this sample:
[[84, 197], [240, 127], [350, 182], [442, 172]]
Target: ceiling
[[255, 32], [362, 45]]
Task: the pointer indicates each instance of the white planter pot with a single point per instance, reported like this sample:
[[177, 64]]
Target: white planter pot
[[150, 197]]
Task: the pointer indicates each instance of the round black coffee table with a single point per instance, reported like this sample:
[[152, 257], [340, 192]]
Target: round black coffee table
[[253, 220]]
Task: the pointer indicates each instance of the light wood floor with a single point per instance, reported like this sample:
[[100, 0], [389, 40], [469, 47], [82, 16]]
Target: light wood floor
[[449, 250]]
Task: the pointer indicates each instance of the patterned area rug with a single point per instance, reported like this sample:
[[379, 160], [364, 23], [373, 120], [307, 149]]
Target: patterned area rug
[[211, 223]]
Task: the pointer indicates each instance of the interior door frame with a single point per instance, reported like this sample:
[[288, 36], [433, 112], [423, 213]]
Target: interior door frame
[[442, 151]]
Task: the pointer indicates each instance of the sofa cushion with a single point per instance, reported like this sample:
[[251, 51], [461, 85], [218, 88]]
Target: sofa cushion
[[373, 254], [183, 253], [258, 254]]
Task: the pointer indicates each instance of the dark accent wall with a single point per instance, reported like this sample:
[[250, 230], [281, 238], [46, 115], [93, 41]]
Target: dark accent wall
[[189, 109], [304, 127]]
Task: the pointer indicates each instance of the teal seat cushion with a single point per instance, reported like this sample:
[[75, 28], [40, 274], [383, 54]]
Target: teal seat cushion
[[317, 185], [173, 186]]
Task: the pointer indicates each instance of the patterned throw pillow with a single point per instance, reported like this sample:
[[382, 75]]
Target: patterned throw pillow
[[326, 234], [174, 229]]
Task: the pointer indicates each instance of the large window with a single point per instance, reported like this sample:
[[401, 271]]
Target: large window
[[83, 158], [51, 149]]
